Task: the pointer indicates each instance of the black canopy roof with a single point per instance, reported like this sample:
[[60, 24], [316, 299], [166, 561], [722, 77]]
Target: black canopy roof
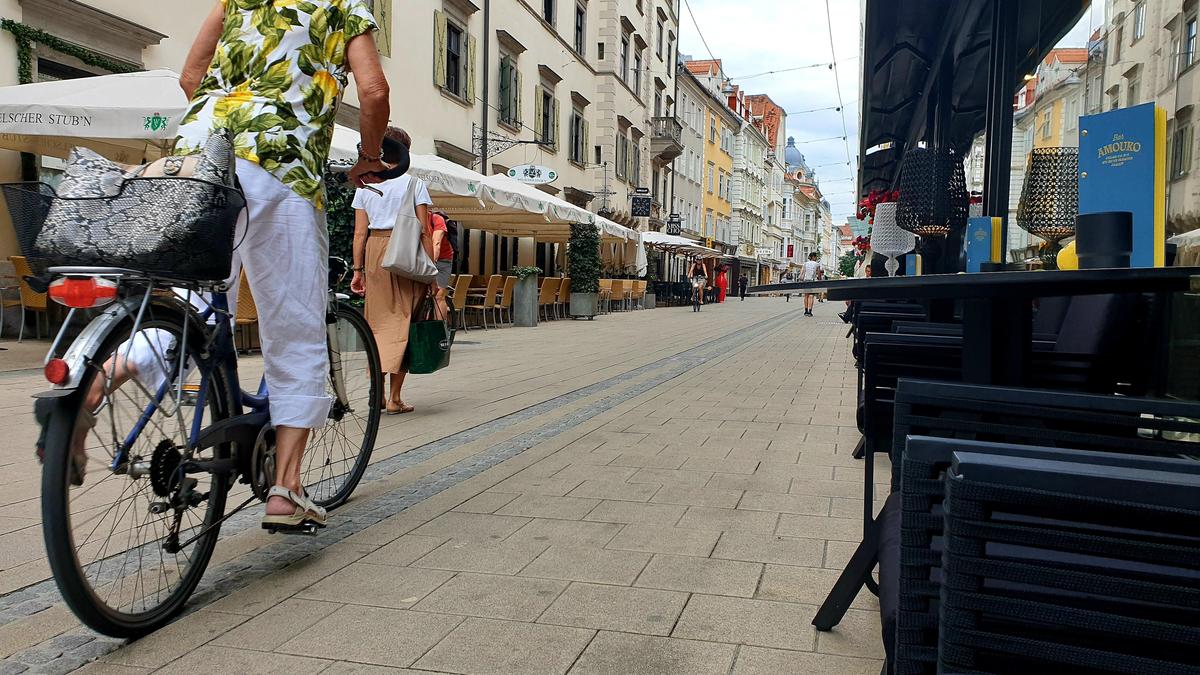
[[906, 43]]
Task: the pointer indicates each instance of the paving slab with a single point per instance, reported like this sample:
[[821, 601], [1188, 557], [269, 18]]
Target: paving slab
[[487, 646], [628, 654], [629, 610]]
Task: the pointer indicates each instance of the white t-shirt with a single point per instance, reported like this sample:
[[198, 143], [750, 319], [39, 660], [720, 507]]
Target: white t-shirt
[[381, 211], [810, 270]]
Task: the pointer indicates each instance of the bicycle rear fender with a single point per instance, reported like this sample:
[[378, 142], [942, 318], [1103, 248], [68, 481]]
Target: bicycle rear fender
[[83, 349]]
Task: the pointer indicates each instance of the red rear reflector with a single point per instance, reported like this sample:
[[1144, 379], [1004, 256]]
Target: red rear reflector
[[57, 371], [83, 292]]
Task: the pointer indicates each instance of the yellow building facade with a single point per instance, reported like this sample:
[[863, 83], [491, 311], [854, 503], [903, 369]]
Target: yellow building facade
[[719, 131]]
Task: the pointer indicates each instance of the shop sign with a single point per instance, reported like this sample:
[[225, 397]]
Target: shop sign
[[533, 174]]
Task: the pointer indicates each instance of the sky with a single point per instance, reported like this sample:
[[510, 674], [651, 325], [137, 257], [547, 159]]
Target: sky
[[756, 36]]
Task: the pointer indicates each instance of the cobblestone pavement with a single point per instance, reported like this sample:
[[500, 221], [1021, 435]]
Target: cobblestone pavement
[[650, 492]]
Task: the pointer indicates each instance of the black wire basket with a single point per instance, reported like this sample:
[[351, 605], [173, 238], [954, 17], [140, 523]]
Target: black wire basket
[[175, 228], [1050, 197], [933, 192]]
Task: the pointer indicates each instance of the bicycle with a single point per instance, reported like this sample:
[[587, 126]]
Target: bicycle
[[697, 292], [139, 459]]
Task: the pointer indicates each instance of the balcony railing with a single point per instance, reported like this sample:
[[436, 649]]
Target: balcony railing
[[666, 139]]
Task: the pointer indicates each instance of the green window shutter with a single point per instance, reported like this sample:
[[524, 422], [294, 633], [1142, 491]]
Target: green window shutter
[[439, 49], [517, 97], [554, 123], [470, 88], [537, 113], [383, 16], [583, 154], [506, 112]]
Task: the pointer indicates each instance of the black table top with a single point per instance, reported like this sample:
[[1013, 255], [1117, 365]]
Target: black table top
[[1036, 284]]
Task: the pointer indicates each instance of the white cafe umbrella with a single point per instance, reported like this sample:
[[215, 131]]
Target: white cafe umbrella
[[127, 117]]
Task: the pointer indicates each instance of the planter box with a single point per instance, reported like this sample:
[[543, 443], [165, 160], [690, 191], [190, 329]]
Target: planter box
[[525, 303], [583, 304], [649, 302]]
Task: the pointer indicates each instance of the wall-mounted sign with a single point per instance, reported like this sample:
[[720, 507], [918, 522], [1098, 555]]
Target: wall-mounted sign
[[674, 224], [642, 190], [533, 174], [640, 207]]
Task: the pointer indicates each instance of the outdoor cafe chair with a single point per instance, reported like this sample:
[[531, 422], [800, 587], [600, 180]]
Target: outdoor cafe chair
[[485, 303], [563, 304], [605, 294], [461, 288], [548, 295], [1069, 566], [617, 294], [30, 301], [910, 569], [506, 300], [246, 315]]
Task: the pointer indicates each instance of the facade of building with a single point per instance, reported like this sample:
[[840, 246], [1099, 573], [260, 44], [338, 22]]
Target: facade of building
[[771, 119], [720, 130], [750, 190], [689, 193], [1150, 55]]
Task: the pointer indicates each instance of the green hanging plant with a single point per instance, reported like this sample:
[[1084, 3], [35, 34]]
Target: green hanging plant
[[583, 258], [27, 36]]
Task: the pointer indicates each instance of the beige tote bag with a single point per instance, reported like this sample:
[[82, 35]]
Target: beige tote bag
[[405, 256]]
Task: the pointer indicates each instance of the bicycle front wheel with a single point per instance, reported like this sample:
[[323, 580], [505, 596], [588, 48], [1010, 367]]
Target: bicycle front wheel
[[338, 453], [130, 512]]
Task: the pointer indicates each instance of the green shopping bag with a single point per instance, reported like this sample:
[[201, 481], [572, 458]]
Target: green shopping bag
[[429, 340]]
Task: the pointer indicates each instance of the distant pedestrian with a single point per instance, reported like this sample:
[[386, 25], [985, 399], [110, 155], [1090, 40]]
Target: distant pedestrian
[[811, 272], [788, 278], [743, 283]]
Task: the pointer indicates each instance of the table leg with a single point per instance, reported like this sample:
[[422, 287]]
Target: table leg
[[852, 579], [997, 340]]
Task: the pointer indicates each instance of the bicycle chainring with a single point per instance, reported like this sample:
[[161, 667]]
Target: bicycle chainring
[[262, 463], [164, 468]]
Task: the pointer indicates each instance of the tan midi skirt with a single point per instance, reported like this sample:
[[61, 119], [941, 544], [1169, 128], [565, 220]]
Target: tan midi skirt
[[391, 301]]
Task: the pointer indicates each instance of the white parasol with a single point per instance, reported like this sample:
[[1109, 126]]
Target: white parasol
[[128, 117]]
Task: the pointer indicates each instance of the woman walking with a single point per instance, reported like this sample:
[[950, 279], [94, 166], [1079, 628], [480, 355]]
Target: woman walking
[[401, 211]]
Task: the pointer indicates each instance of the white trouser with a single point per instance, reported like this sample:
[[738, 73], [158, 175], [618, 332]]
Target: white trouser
[[285, 253]]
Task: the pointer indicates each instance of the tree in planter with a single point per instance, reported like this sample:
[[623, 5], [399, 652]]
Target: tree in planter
[[583, 260]]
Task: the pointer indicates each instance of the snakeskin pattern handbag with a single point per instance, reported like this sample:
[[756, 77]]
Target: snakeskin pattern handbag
[[174, 217]]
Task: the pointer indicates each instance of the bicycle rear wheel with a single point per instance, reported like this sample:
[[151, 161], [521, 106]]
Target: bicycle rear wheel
[[338, 453], [128, 545]]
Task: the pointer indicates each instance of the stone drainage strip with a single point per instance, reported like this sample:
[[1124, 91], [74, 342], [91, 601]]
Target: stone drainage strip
[[75, 648]]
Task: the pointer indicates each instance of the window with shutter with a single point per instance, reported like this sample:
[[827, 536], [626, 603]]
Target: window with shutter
[[382, 11], [517, 96], [554, 125], [538, 129], [506, 111], [469, 74], [439, 49]]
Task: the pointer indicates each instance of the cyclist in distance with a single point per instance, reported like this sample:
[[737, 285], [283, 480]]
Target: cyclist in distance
[[273, 72]]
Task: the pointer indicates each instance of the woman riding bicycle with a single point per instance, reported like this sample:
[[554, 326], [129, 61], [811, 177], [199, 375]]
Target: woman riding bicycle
[[279, 98], [699, 277]]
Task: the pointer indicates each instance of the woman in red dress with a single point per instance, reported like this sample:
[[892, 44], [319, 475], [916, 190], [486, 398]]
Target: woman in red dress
[[722, 284]]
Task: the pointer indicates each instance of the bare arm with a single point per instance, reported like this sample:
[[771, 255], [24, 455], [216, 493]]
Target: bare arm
[[426, 240], [438, 237], [373, 91], [201, 54], [359, 250]]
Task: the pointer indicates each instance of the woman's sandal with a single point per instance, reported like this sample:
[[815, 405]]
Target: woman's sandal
[[400, 409], [305, 514]]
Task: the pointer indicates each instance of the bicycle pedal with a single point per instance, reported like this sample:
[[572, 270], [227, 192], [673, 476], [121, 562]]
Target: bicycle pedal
[[306, 528]]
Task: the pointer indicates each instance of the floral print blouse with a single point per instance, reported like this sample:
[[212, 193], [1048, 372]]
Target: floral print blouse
[[275, 80]]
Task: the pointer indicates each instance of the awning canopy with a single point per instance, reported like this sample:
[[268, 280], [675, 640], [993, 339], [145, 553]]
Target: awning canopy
[[130, 118], [671, 243], [906, 43]]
